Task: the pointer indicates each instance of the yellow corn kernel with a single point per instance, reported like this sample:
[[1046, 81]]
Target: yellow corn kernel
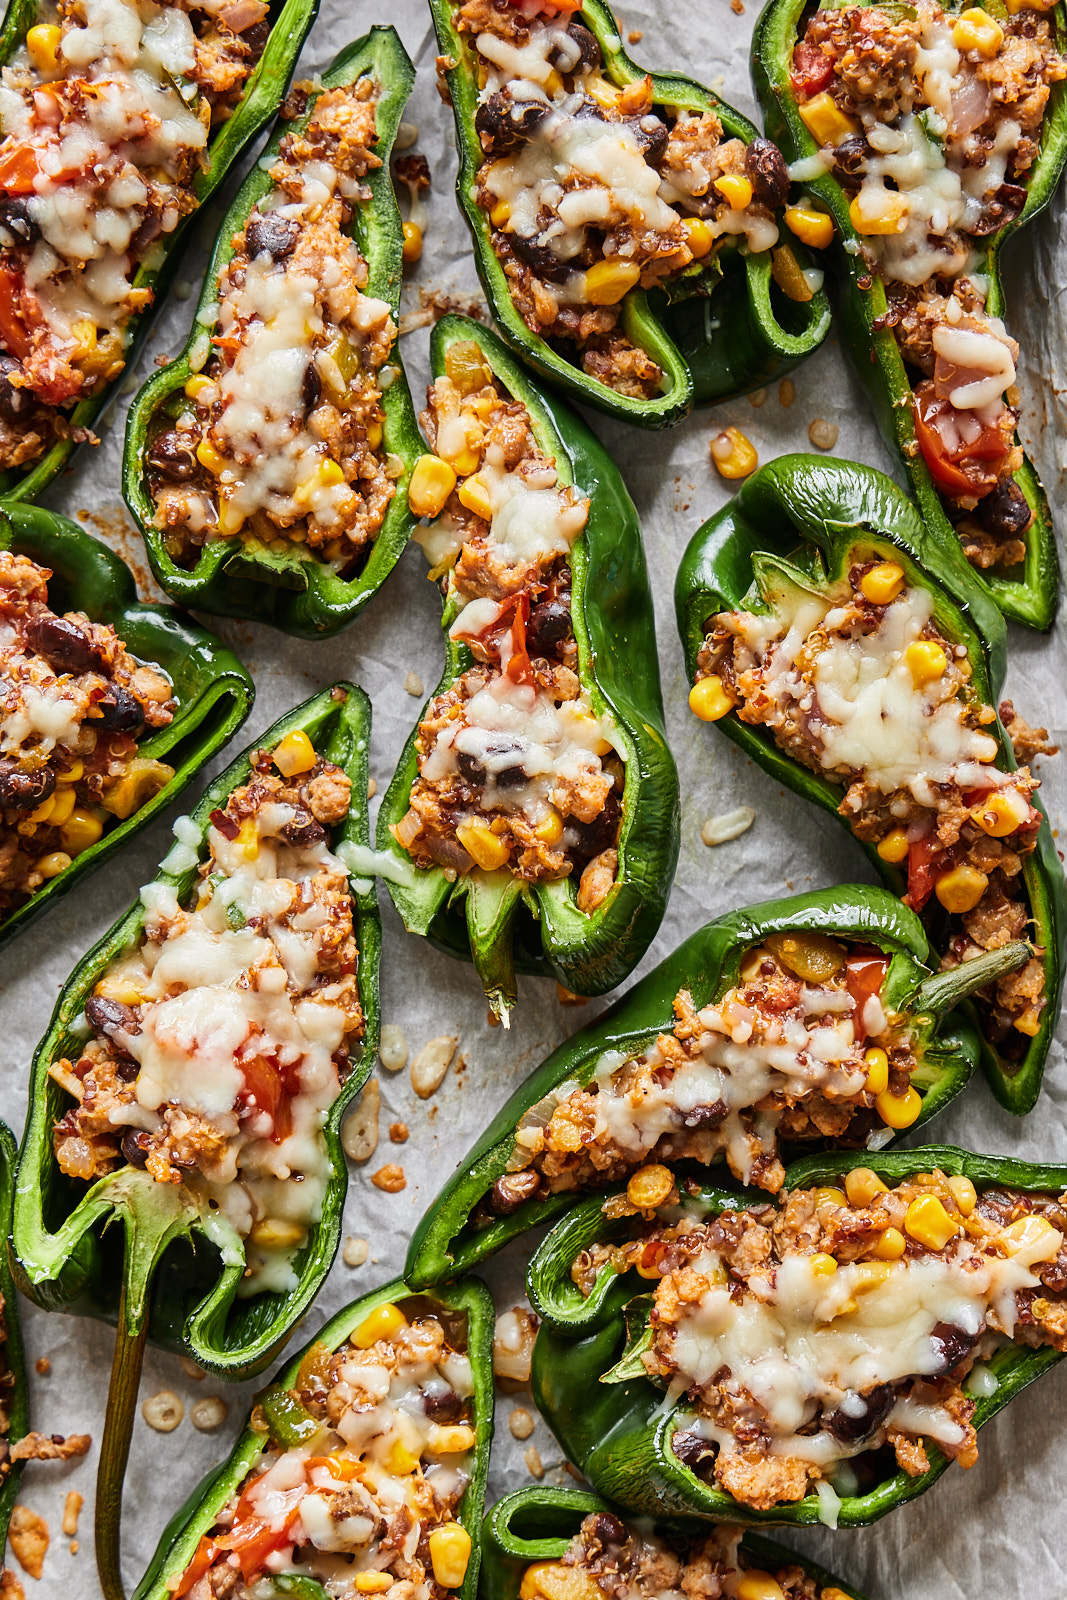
[[412, 242], [811, 226], [882, 584], [432, 482], [209, 457], [329, 472], [52, 865], [1002, 813], [1027, 1233], [868, 1275], [450, 1553], [384, 1322], [373, 435], [862, 1186], [735, 190], [42, 46], [649, 1186], [75, 771], [899, 1110], [553, 84], [825, 120], [894, 847], [550, 829], [961, 889], [697, 236], [709, 700], [246, 843], [877, 1064], [823, 1265], [607, 281], [891, 216], [229, 520], [827, 1195], [890, 1246], [84, 331], [42, 812], [143, 778], [755, 1584], [196, 385], [62, 806], [812, 956], [474, 494], [1013, 7], [790, 276], [551, 1580], [80, 830], [451, 1439], [486, 849], [605, 94], [927, 1221], [975, 29], [733, 455], [372, 1582], [500, 214], [275, 1233], [295, 753], [926, 661], [401, 1460], [964, 1193]]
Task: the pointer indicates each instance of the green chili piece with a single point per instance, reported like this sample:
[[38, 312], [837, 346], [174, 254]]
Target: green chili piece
[[290, 1422]]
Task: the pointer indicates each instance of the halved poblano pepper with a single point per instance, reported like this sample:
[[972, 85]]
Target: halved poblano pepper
[[16, 1392]]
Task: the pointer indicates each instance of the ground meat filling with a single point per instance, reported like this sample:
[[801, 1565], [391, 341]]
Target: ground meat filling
[[105, 116], [612, 1560], [367, 1506], [73, 704], [219, 1044], [810, 1336], [931, 122], [516, 769], [590, 189], [801, 1048], [866, 691], [278, 443]]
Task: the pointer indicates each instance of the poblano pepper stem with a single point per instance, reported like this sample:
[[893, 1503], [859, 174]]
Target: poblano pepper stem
[[119, 1417]]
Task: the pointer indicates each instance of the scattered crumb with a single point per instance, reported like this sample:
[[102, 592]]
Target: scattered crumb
[[787, 392], [355, 1252], [74, 1547], [758, 397], [393, 1048], [521, 1423], [71, 1512], [191, 1370], [534, 1465], [737, 7], [391, 1178], [209, 1413], [42, 1366], [492, 1019], [359, 1135], [567, 997], [398, 1132], [42, 1447], [635, 35], [163, 1411], [413, 684], [29, 1538], [372, 788], [11, 1586], [822, 434], [730, 825], [432, 1062]]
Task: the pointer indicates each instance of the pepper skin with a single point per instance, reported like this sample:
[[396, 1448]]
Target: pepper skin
[[539, 1524], [263, 93], [617, 1432], [710, 349], [213, 689], [291, 590], [824, 508], [450, 1238], [611, 609], [17, 1397], [469, 1298], [1031, 597]]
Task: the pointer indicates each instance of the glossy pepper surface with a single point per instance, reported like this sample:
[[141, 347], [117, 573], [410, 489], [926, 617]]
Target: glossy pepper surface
[[618, 1431], [460, 1228], [16, 1395], [1029, 594], [717, 331], [263, 92], [213, 690], [291, 588], [487, 914], [534, 1525], [808, 515], [467, 1298]]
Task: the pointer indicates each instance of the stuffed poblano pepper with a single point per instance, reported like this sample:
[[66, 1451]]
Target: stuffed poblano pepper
[[566, 1544], [822, 1358], [538, 782], [373, 1440], [267, 466], [929, 136], [807, 1019], [193, 1078], [116, 125], [859, 662], [109, 708], [624, 222]]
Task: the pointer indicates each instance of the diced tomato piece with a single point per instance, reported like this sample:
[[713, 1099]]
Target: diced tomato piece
[[13, 331], [265, 1086], [969, 469], [342, 1467], [19, 167], [864, 975], [811, 71], [518, 667], [923, 855], [206, 1551]]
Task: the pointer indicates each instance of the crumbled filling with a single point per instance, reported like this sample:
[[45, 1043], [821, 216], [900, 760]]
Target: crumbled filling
[[279, 441], [30, 1446], [872, 696], [818, 1338], [516, 768], [73, 704], [591, 189], [367, 1503], [932, 122], [105, 113], [219, 1044]]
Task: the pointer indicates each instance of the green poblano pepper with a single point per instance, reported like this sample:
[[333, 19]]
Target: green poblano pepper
[[16, 1394]]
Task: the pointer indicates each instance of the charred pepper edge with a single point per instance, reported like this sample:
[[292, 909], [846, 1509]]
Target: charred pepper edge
[[301, 596], [613, 625], [695, 376], [828, 505], [539, 1524], [214, 690], [264, 91], [66, 1268], [624, 1439], [19, 1409], [1032, 598], [707, 963], [469, 1295]]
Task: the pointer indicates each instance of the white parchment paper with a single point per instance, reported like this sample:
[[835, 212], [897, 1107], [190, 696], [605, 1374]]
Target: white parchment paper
[[993, 1531]]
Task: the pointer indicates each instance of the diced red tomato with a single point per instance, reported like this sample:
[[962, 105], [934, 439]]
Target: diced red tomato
[[19, 167], [252, 1538], [967, 469], [811, 71], [265, 1085], [864, 975], [206, 1551], [13, 331], [923, 855], [518, 667]]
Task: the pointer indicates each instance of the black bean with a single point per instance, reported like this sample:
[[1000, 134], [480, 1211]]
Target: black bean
[[16, 400], [951, 1344], [511, 777], [706, 1116], [503, 124], [691, 1449], [864, 1415], [653, 137], [442, 1407], [608, 1529], [594, 837], [270, 235], [549, 625], [540, 258], [303, 829], [850, 160], [512, 1190], [121, 711], [63, 644], [1005, 513], [135, 1146], [1003, 208], [25, 790], [588, 50], [470, 768], [108, 1017], [767, 172], [17, 220], [171, 456], [310, 386]]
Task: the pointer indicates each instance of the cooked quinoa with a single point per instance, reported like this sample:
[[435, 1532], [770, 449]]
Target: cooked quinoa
[[73, 704], [278, 442]]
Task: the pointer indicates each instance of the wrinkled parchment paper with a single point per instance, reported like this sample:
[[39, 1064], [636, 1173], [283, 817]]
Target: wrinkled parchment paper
[[993, 1531]]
